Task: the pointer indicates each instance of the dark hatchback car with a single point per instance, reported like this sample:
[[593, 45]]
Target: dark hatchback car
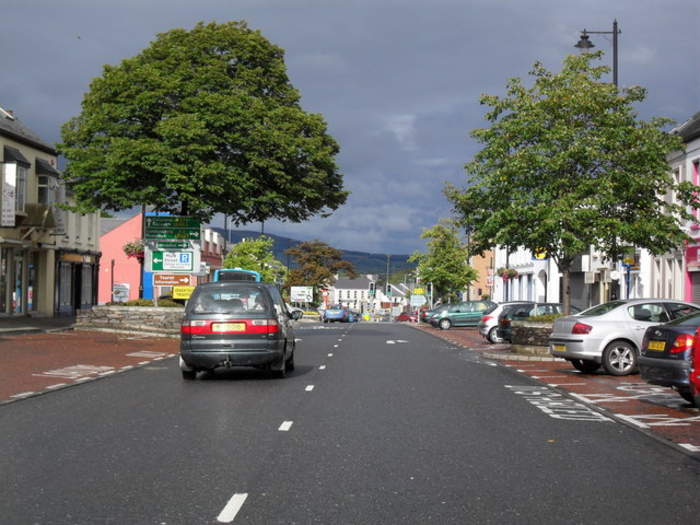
[[666, 354], [520, 312], [231, 324]]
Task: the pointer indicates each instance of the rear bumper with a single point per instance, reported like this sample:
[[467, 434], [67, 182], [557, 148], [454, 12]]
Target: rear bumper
[[213, 356], [664, 372], [576, 349]]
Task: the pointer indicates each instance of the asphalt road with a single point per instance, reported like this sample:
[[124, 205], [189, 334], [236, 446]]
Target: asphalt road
[[397, 427]]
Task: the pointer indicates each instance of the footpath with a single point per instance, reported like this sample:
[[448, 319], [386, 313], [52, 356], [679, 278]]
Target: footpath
[[657, 411]]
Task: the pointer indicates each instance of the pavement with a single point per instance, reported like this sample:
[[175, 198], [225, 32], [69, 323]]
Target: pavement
[[30, 324]]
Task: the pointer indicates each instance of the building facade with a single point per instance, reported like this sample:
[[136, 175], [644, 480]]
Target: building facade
[[48, 256]]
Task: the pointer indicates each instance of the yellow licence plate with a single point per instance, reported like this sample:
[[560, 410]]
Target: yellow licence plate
[[228, 327], [656, 345], [559, 348]]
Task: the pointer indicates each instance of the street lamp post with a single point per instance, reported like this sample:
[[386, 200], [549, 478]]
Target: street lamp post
[[584, 44]]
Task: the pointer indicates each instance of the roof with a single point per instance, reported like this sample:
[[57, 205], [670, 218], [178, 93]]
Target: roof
[[107, 225], [44, 167], [10, 126], [690, 129], [352, 284]]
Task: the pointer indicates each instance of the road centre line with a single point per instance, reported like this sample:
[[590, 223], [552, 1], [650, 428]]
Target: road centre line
[[322, 367], [330, 354], [228, 514], [285, 426], [335, 346], [309, 388]]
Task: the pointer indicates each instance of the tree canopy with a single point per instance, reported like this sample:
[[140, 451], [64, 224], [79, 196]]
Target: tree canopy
[[566, 165], [445, 263], [316, 265], [257, 255], [201, 122]]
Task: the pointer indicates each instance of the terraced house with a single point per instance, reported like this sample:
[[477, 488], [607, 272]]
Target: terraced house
[[48, 256]]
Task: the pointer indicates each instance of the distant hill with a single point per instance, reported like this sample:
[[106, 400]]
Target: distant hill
[[362, 261]]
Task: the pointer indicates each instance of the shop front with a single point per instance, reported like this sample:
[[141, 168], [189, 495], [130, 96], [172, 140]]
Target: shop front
[[76, 282]]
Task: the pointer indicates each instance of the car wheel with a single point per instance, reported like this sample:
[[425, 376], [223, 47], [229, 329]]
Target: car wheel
[[585, 365], [686, 394], [620, 358], [187, 372], [493, 336], [290, 361], [445, 324], [279, 370]]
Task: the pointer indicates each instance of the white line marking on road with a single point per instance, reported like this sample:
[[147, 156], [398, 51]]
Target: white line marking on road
[[228, 514], [144, 362], [145, 353], [390, 342], [330, 354], [57, 385], [335, 346], [284, 427], [688, 446], [83, 379], [565, 384], [322, 367], [23, 394], [518, 369], [309, 388], [340, 339], [492, 364], [545, 377], [106, 373]]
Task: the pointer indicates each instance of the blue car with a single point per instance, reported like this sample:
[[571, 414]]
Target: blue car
[[336, 313]]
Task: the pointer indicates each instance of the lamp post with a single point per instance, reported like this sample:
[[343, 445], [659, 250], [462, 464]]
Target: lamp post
[[584, 44]]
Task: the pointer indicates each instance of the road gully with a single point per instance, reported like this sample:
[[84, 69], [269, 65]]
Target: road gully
[[657, 411]]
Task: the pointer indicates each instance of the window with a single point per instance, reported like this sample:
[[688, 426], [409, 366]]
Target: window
[[45, 195], [21, 188], [650, 313]]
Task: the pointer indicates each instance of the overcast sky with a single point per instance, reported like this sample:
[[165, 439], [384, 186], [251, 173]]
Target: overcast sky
[[398, 81]]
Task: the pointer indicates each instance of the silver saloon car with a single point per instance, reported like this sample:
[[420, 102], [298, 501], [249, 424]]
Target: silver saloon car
[[611, 334]]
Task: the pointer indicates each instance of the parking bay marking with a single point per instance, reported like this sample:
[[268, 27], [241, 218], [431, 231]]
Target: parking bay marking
[[228, 514], [285, 426], [556, 405]]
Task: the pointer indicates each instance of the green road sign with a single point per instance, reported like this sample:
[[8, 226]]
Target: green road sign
[[172, 261], [172, 245], [171, 227]]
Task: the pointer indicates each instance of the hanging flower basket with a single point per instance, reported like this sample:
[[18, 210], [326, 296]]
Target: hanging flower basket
[[134, 249], [507, 273]]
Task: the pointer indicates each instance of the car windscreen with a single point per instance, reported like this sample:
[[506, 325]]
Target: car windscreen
[[233, 300], [690, 321], [602, 308]]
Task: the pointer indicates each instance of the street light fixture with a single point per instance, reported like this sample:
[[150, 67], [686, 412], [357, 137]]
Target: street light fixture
[[585, 43]]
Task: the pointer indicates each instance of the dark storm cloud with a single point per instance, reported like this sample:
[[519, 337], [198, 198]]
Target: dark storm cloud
[[397, 81]]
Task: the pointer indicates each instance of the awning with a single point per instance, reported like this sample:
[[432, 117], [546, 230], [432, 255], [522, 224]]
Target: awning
[[43, 167], [11, 154]]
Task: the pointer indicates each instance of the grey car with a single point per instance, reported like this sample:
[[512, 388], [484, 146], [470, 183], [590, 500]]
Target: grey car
[[611, 334], [230, 324], [488, 324]]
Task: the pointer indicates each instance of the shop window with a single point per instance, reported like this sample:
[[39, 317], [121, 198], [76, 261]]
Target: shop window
[[20, 188], [45, 195]]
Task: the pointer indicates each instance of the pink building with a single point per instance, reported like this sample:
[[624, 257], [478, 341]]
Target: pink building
[[115, 267]]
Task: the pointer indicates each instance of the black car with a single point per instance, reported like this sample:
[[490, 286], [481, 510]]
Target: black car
[[521, 311], [666, 352], [230, 324]]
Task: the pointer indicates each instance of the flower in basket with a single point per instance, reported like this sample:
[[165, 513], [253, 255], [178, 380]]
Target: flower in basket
[[507, 273], [134, 249]]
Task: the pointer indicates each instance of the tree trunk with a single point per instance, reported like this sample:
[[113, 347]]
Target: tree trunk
[[566, 286], [184, 209]]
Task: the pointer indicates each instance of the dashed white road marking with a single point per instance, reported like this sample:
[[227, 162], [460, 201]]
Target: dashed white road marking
[[565, 384], [391, 342], [228, 514], [340, 339], [330, 354], [127, 367], [322, 367], [57, 385], [285, 426], [335, 346], [309, 388]]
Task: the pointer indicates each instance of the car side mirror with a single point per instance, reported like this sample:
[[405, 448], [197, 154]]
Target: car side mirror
[[296, 315]]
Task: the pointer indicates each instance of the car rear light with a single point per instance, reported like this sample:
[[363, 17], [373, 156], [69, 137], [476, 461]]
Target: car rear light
[[237, 326], [504, 322], [682, 343], [695, 363], [581, 328], [486, 319]]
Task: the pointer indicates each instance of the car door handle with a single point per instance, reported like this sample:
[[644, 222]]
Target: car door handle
[[640, 327]]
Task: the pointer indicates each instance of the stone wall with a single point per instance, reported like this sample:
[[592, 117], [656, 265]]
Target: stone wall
[[134, 319], [531, 337]]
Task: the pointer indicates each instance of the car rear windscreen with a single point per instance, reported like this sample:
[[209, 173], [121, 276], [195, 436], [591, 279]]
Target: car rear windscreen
[[236, 276], [234, 300]]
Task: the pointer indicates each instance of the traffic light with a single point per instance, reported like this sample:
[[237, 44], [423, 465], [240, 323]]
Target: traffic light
[[371, 289], [388, 289]]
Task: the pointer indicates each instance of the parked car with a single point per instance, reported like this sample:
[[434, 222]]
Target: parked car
[[411, 317], [425, 315], [488, 324], [467, 313], [519, 312], [354, 317], [611, 334], [336, 313], [228, 324], [667, 353]]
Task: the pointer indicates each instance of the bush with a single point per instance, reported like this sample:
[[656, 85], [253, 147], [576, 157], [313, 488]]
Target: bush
[[139, 302], [544, 318], [168, 303]]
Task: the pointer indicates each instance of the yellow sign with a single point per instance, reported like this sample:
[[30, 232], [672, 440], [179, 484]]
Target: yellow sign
[[418, 291], [182, 292]]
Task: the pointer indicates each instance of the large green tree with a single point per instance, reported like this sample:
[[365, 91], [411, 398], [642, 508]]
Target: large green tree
[[200, 122], [316, 264], [566, 165], [257, 254], [445, 263]]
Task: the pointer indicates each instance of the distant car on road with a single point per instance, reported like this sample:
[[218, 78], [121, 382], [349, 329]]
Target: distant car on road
[[667, 354], [229, 324], [611, 334], [467, 313], [336, 313], [411, 317]]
